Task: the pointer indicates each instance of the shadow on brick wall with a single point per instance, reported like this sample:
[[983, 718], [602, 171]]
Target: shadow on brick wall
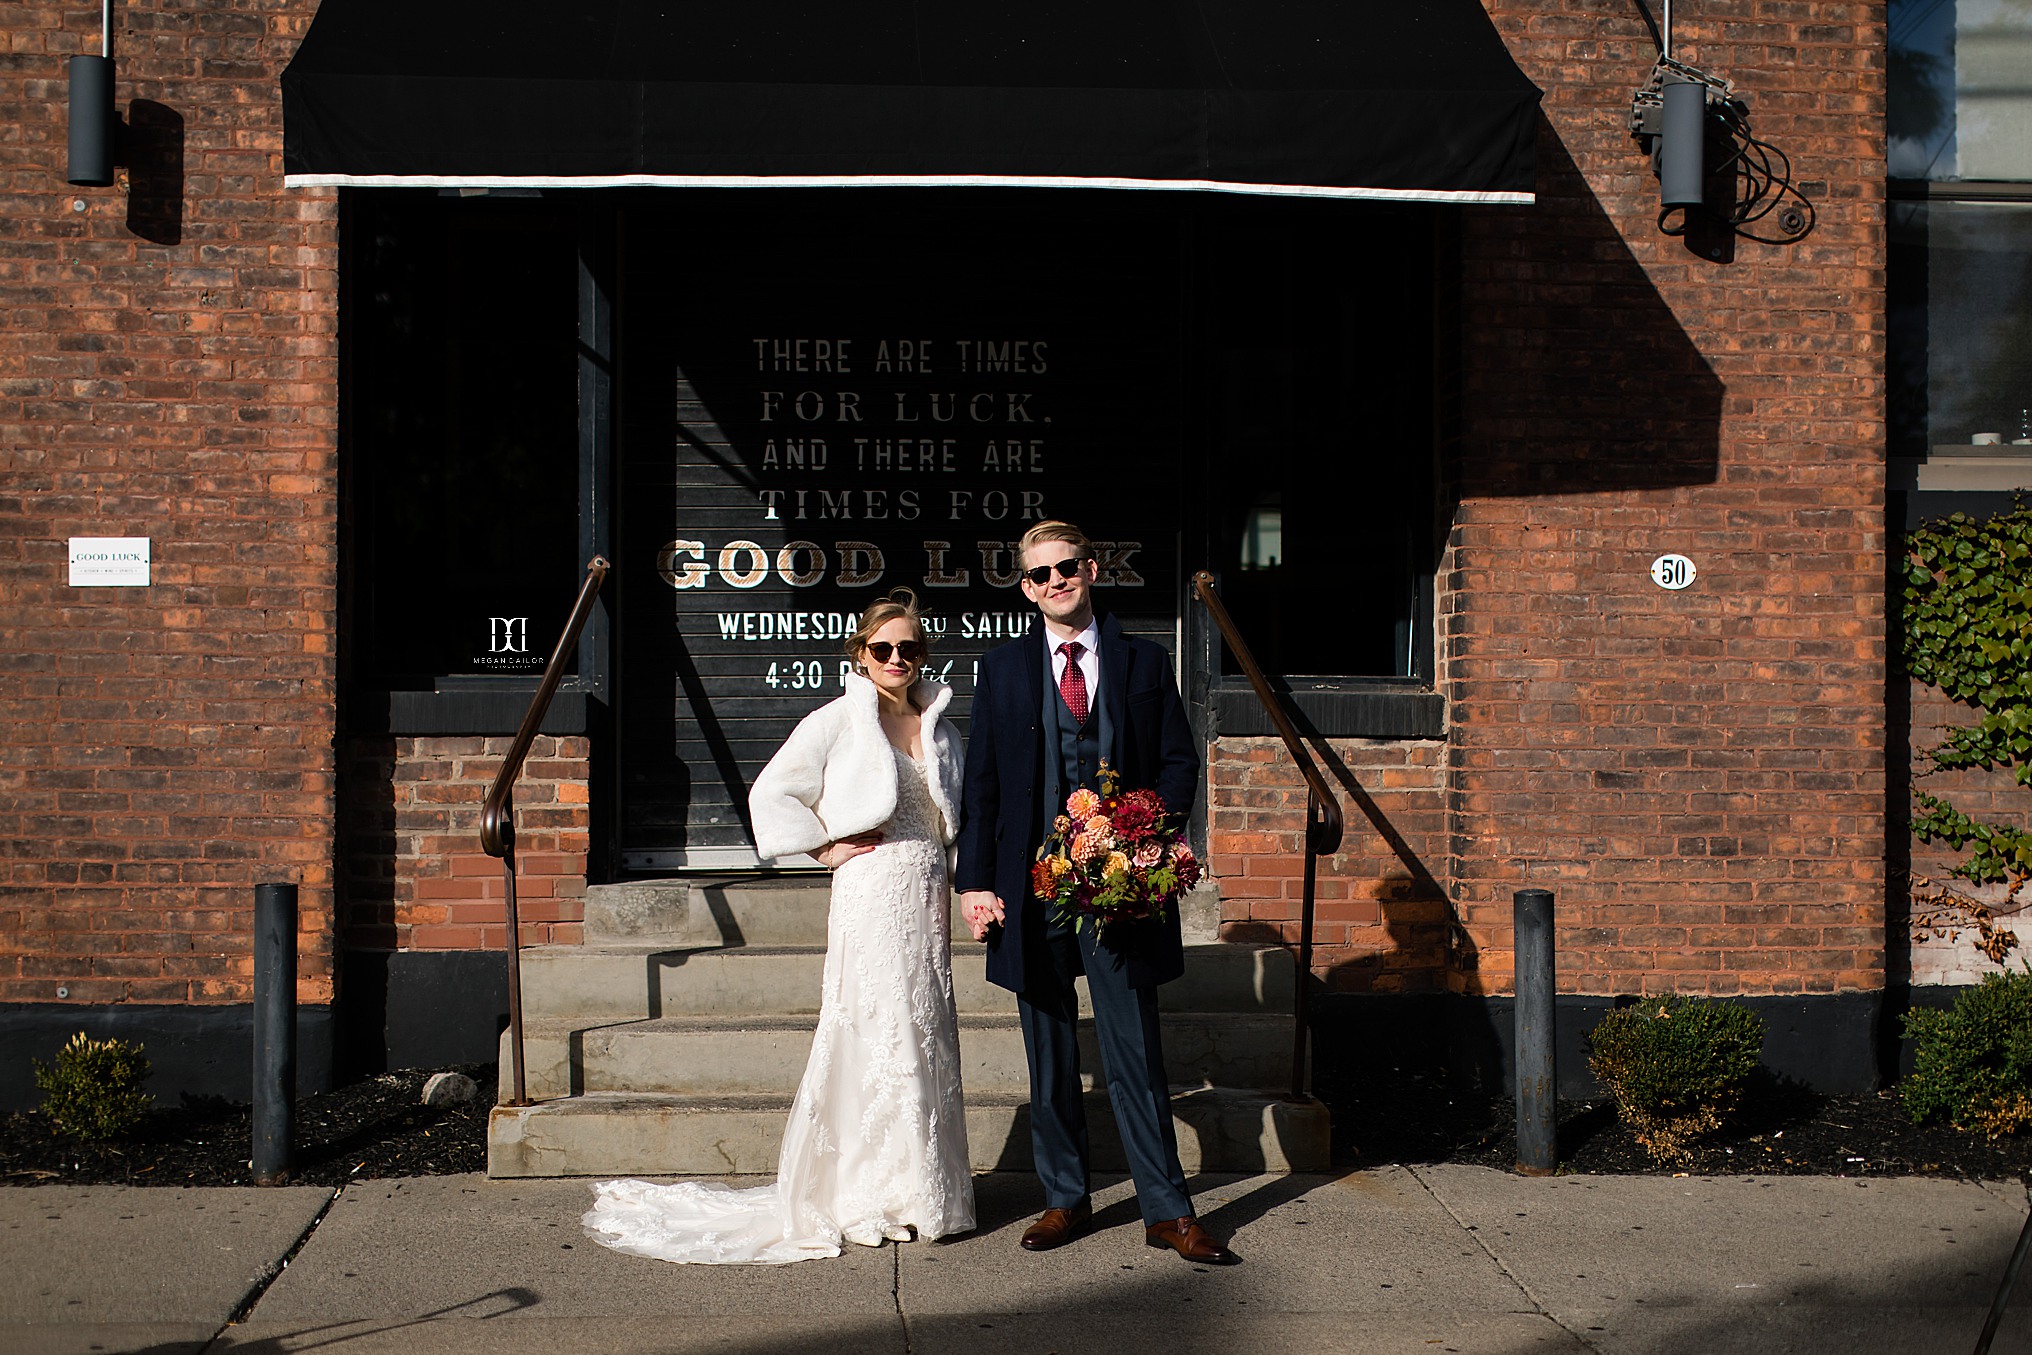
[[366, 899], [151, 146], [1575, 373], [1428, 942], [367, 842], [1892, 1048]]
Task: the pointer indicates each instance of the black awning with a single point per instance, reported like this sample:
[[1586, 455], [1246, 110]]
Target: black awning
[[1410, 99]]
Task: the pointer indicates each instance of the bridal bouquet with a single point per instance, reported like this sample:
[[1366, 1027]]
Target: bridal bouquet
[[1113, 857]]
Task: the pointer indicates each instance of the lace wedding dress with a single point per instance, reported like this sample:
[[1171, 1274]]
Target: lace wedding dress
[[876, 1145]]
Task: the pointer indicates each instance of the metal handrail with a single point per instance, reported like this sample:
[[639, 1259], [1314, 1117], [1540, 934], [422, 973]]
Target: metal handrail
[[1323, 822], [497, 816]]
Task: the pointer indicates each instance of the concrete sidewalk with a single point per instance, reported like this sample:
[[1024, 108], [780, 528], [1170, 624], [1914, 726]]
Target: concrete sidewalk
[[1458, 1260]]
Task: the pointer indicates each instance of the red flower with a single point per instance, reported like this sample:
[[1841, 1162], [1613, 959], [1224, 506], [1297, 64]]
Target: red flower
[[1139, 812]]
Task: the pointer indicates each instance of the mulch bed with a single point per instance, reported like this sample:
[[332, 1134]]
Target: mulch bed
[[1783, 1129], [375, 1127], [379, 1127]]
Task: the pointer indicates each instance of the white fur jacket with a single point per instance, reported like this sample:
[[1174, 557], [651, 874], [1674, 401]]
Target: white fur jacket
[[834, 776]]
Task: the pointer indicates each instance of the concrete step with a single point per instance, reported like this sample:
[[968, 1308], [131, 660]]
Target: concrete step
[[629, 1134], [687, 914], [766, 1054], [596, 984], [764, 910]]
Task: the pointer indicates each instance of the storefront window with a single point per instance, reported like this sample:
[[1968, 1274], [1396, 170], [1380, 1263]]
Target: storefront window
[[462, 434], [820, 396], [1315, 325], [1959, 275], [1961, 324]]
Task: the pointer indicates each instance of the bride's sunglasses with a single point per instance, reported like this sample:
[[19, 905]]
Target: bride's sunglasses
[[909, 651], [1067, 568]]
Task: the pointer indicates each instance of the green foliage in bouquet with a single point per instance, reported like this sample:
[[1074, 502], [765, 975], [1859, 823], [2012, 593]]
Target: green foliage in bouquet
[[1973, 1061], [1677, 1067], [92, 1089]]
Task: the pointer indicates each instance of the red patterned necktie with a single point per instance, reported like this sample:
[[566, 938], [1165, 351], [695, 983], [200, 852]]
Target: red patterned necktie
[[1073, 685]]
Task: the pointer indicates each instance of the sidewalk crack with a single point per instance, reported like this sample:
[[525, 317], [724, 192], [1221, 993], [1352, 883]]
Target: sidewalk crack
[[896, 1292], [1538, 1306], [271, 1272]]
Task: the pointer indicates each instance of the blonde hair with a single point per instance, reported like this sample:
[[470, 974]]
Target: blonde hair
[[1053, 530], [901, 602]]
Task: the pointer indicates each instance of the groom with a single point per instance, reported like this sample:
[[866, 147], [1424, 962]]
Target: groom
[[1048, 708]]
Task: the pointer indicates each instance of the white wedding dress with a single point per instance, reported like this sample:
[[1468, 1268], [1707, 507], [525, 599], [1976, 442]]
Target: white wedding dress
[[876, 1144]]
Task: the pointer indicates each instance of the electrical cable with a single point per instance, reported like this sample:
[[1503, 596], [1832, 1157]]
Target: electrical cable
[[1764, 179], [1657, 38]]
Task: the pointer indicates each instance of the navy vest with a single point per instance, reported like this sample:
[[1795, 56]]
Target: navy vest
[[1079, 750]]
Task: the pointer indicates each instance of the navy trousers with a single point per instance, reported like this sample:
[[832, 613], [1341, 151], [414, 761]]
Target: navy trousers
[[1132, 1049]]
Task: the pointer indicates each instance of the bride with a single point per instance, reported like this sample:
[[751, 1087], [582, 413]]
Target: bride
[[876, 1144]]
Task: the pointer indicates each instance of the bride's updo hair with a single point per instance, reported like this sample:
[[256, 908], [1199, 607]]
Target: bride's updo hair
[[900, 602]]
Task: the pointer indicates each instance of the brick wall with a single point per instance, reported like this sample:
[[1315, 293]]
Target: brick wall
[[167, 369], [414, 876], [1698, 775], [1381, 919]]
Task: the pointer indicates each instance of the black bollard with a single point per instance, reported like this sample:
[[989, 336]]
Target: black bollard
[[1537, 1070], [274, 1032]]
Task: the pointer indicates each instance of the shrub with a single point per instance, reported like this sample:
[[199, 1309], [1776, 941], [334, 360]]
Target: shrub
[[92, 1090], [1973, 1062], [1677, 1067]]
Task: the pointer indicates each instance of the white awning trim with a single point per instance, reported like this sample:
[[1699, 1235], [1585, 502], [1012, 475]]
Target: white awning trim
[[900, 181]]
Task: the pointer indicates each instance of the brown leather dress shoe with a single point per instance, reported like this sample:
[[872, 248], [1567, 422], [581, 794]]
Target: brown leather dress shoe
[[1186, 1237], [1056, 1227]]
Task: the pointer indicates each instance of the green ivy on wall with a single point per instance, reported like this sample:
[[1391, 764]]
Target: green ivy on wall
[[1967, 611]]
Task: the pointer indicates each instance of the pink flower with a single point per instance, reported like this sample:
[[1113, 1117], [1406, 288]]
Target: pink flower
[[1088, 847], [1149, 853], [1082, 804]]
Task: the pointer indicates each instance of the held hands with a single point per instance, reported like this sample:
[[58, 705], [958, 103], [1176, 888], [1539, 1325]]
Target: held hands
[[982, 908], [836, 854]]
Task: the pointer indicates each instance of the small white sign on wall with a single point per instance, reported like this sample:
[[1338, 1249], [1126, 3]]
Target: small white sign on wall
[[1672, 571], [109, 562]]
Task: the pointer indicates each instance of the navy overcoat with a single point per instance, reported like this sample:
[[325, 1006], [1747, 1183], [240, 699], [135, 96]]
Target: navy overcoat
[[1003, 815]]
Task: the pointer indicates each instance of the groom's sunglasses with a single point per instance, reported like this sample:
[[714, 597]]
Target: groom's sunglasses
[[1067, 568], [909, 651]]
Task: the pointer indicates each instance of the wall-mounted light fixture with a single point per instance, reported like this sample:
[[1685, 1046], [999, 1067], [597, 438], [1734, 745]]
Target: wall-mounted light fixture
[[1682, 145], [1715, 178], [92, 119]]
